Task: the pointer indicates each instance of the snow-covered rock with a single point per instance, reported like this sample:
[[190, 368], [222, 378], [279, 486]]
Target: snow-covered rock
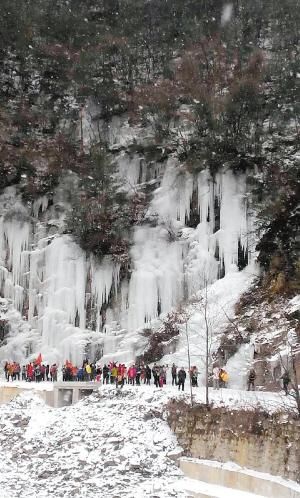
[[108, 445]]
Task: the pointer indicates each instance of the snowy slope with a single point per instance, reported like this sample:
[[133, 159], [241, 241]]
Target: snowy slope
[[109, 445], [217, 302], [113, 444]]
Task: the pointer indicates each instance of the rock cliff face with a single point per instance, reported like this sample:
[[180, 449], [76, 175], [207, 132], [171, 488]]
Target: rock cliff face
[[254, 439], [139, 144]]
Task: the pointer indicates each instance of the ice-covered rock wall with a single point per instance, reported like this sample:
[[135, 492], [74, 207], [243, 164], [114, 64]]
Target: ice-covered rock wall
[[50, 282], [59, 291]]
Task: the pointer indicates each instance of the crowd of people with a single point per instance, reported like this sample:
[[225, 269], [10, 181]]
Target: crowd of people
[[120, 374], [111, 373], [32, 372]]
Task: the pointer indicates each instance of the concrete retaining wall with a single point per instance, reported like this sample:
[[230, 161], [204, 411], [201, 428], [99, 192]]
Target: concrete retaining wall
[[8, 393], [239, 479], [252, 439]]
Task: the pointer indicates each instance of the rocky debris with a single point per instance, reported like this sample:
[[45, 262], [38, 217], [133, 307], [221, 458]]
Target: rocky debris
[[108, 445]]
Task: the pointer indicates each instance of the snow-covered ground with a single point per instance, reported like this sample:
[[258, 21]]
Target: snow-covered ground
[[109, 445], [30, 386], [112, 444], [226, 397]]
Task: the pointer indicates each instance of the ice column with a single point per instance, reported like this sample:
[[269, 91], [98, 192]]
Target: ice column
[[103, 278], [64, 294], [173, 199], [14, 255], [157, 277], [233, 216]]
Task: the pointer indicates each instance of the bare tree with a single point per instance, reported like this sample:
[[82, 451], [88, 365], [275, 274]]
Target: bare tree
[[185, 315], [189, 360], [207, 326], [191, 307]]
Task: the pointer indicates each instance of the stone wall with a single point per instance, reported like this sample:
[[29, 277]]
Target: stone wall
[[253, 439]]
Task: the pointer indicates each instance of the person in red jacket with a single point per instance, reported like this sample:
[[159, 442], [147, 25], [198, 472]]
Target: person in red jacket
[[120, 375], [43, 371], [30, 372], [132, 374], [53, 372]]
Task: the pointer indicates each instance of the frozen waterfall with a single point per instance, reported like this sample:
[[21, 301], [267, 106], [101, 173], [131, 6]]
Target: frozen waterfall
[[61, 292]]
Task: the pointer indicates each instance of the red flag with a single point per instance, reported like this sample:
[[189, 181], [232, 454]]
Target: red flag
[[39, 360]]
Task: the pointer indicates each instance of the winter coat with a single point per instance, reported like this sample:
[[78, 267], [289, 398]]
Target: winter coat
[[30, 371], [216, 373], [252, 376], [163, 373], [80, 373], [121, 371], [286, 377], [224, 376], [105, 371], [181, 375], [155, 372], [114, 372], [194, 372], [53, 369], [132, 372]]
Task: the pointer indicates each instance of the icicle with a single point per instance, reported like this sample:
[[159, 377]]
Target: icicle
[[40, 204], [65, 279], [204, 195], [129, 170], [233, 216], [173, 199], [17, 236], [103, 277], [157, 275]]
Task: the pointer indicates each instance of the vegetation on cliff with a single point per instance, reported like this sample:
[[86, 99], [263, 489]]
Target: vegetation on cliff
[[217, 82]]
